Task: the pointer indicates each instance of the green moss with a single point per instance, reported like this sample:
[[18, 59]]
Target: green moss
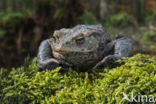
[[26, 85]]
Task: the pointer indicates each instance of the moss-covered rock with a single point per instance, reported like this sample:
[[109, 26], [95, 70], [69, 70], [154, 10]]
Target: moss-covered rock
[[101, 86]]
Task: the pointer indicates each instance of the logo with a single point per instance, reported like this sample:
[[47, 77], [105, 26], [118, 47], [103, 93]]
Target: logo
[[138, 98]]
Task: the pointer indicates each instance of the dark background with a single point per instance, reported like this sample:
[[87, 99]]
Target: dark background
[[25, 23]]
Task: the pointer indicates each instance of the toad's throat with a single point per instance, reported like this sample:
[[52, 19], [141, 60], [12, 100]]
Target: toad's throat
[[79, 58]]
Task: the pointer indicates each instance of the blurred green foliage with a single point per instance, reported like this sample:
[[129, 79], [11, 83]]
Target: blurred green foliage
[[121, 20], [12, 19], [2, 33], [148, 37], [26, 85], [150, 18], [88, 18], [25, 23], [22, 31]]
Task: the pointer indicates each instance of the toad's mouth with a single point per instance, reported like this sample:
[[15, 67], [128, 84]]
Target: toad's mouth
[[74, 50]]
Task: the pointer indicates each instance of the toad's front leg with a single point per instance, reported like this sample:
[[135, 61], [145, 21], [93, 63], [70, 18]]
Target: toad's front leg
[[123, 47], [45, 57]]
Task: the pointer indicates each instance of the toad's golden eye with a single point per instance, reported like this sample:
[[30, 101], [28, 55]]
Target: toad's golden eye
[[80, 40]]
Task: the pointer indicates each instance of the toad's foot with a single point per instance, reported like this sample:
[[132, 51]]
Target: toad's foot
[[54, 66], [107, 60]]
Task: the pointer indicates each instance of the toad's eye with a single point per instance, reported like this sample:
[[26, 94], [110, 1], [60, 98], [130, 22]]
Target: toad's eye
[[80, 40]]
